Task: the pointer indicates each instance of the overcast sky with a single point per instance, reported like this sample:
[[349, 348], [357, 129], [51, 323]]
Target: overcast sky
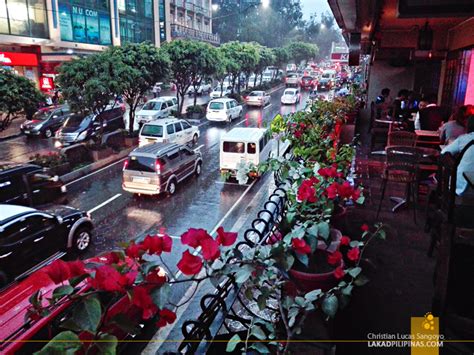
[[309, 7]]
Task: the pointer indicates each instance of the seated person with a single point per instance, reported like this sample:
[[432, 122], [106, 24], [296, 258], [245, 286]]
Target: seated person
[[467, 161], [455, 127], [383, 103], [432, 116]]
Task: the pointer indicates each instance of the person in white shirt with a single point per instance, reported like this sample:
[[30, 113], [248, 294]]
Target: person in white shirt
[[421, 106], [467, 161]]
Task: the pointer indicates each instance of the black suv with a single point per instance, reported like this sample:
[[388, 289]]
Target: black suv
[[31, 238], [79, 127], [46, 121], [29, 185]]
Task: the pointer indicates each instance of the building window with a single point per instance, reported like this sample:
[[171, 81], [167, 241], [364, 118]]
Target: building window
[[136, 19], [456, 78], [162, 21], [24, 18], [85, 21]]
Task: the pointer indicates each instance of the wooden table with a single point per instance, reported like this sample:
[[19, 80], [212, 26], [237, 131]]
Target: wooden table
[[469, 176]]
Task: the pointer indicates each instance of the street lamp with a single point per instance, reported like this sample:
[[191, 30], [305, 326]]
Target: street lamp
[[215, 7], [265, 3]]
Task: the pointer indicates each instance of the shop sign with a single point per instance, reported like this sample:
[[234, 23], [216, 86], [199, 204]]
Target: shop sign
[[46, 83], [18, 59], [340, 57]]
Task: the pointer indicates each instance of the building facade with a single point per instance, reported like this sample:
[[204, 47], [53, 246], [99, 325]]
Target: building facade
[[36, 36]]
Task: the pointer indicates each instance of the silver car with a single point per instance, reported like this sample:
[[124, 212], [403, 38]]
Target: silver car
[[257, 98]]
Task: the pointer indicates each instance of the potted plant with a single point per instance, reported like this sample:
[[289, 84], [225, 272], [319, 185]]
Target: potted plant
[[130, 139], [99, 151], [195, 112], [55, 162]]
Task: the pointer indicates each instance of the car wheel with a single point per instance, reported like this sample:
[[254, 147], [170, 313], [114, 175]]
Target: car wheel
[[82, 239], [172, 187], [198, 169], [229, 119], [195, 139], [48, 133]]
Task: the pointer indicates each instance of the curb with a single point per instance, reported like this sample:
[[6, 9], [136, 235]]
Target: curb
[[73, 175], [13, 136]]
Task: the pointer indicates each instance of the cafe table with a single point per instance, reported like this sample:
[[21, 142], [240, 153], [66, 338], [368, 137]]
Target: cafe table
[[427, 137]]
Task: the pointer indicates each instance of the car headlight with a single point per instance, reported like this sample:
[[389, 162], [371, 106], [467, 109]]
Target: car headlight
[[82, 135]]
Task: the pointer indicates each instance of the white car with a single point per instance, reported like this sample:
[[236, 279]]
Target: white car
[[257, 98], [216, 93], [290, 97], [222, 110], [203, 88], [170, 130], [157, 108]]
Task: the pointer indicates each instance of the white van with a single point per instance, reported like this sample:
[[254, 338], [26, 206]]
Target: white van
[[250, 146], [157, 108], [169, 130]]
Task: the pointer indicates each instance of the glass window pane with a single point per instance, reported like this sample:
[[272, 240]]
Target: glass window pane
[[18, 13], [3, 17], [92, 26]]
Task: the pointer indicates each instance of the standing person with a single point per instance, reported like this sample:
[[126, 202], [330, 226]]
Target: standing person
[[456, 125], [467, 161], [158, 90], [55, 98], [155, 90]]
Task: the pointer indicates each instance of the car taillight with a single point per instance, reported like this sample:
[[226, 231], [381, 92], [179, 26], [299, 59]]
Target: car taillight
[[158, 167], [125, 164]]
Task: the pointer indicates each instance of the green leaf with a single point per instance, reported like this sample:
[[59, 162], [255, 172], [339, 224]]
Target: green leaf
[[323, 230], [35, 298], [108, 344], [312, 295], [313, 230], [299, 301], [261, 348], [243, 274], [262, 302], [258, 332], [330, 305], [347, 290], [360, 200], [160, 296], [87, 314], [354, 271], [232, 343], [303, 258], [62, 291], [64, 343], [124, 322], [249, 293], [290, 216], [361, 280], [77, 280], [354, 243], [381, 234]]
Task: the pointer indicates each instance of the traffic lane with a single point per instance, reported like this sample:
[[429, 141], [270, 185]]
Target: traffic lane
[[22, 148]]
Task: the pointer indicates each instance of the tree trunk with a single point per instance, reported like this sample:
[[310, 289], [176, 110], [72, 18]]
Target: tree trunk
[[255, 81]]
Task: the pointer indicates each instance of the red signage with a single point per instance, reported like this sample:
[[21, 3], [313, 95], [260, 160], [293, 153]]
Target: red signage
[[46, 83], [340, 57], [18, 59]]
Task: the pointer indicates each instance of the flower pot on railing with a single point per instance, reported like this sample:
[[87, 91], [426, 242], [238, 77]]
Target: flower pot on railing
[[102, 153]]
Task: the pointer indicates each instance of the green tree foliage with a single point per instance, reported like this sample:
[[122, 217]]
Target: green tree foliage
[[267, 58], [17, 95], [138, 67], [245, 57], [282, 56], [190, 62], [300, 51], [322, 33]]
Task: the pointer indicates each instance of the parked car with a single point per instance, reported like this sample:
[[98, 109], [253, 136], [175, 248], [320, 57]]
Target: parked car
[[204, 88], [157, 108], [244, 145], [308, 83], [21, 334], [292, 79], [290, 97], [29, 185], [216, 93], [82, 127], [223, 110], [257, 98], [46, 121], [169, 130], [157, 168], [32, 238]]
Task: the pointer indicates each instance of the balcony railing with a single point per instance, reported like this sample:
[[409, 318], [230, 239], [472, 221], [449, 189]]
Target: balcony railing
[[179, 31], [192, 7]]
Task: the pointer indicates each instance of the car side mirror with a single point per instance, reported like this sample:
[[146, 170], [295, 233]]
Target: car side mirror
[[59, 219]]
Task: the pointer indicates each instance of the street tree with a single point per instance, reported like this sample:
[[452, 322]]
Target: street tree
[[190, 61], [138, 66], [266, 59], [205, 65], [17, 95], [245, 59], [249, 58], [224, 63], [282, 56], [230, 51], [300, 51]]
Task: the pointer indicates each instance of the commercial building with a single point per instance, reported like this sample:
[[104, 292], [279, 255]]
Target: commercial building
[[36, 36]]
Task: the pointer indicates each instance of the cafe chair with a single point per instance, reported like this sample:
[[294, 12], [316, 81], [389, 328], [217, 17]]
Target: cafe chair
[[401, 166], [378, 131]]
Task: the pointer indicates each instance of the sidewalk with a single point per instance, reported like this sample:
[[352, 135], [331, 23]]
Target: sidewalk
[[13, 130]]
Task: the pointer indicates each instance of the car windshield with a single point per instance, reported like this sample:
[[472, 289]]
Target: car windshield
[[293, 75], [326, 76], [76, 121], [216, 105], [256, 93], [289, 92], [152, 130], [42, 115], [307, 78], [152, 106]]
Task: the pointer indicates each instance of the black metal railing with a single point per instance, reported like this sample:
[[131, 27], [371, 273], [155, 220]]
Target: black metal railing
[[180, 31]]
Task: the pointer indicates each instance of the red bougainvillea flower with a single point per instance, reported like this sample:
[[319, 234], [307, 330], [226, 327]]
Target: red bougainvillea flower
[[331, 190], [306, 191], [76, 268], [353, 254], [298, 134], [364, 227], [334, 258], [133, 250], [339, 273], [107, 278], [225, 238], [190, 264], [345, 240], [58, 271], [356, 194], [345, 190], [156, 244], [166, 317], [328, 172], [156, 276], [300, 246], [142, 299], [193, 237], [210, 249]]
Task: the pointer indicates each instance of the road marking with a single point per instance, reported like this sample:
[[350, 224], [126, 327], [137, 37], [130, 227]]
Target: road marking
[[230, 183], [202, 145], [104, 203], [95, 172], [270, 105], [202, 124], [241, 122]]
